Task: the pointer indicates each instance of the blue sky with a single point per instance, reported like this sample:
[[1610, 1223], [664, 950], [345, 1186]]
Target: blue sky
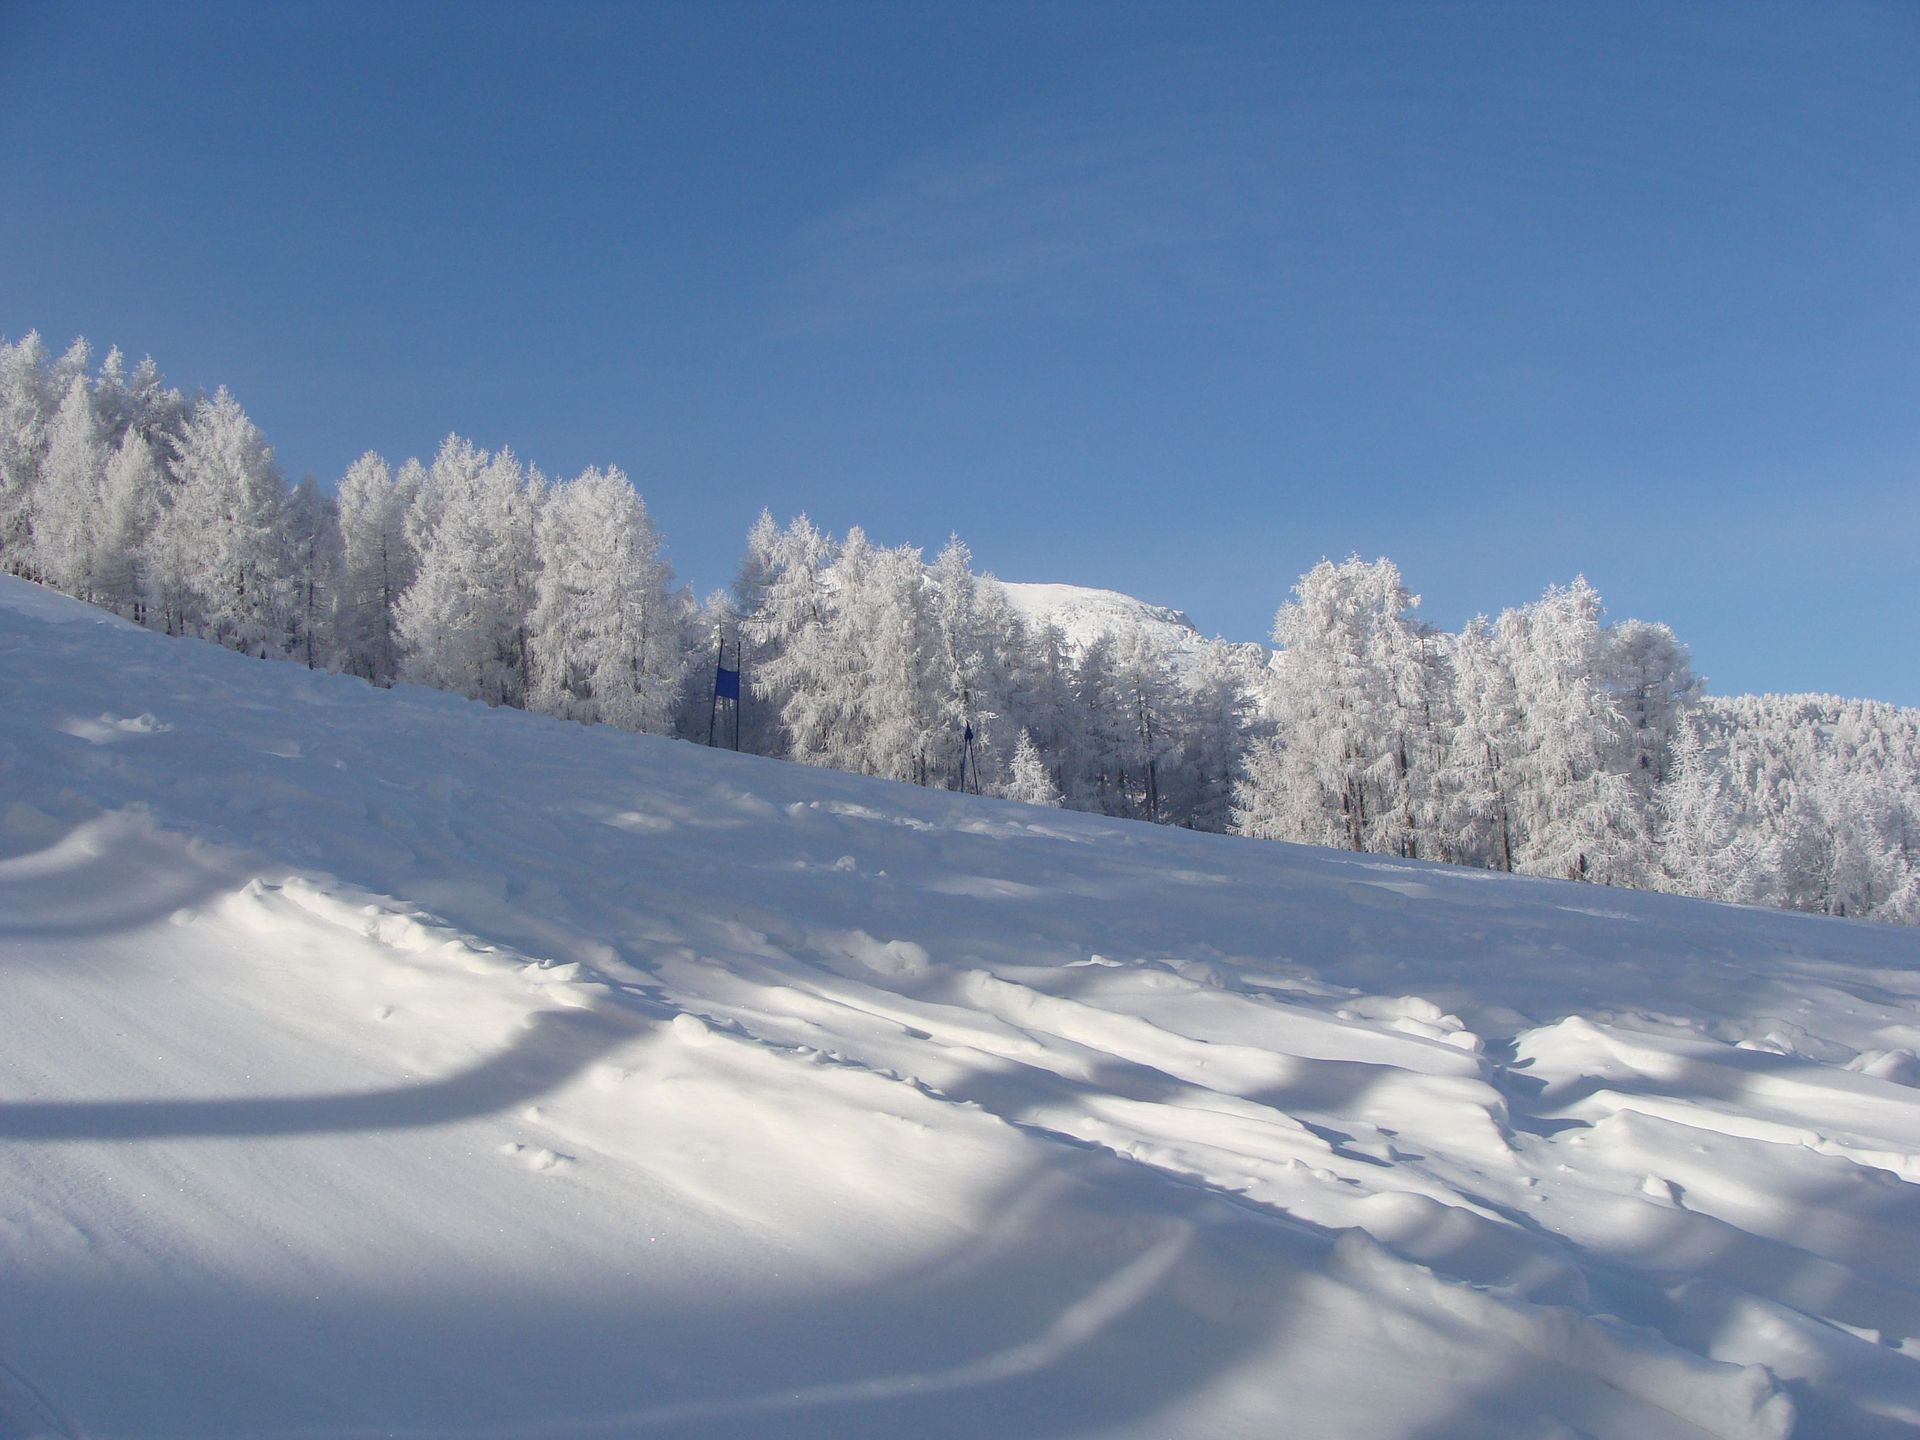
[[1170, 299]]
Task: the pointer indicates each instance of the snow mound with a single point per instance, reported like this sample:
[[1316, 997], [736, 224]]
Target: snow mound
[[424, 1069]]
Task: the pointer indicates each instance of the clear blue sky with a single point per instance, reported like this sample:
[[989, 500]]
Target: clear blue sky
[[1174, 299]]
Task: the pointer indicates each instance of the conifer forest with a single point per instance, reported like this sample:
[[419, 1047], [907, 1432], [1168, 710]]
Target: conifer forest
[[1545, 740]]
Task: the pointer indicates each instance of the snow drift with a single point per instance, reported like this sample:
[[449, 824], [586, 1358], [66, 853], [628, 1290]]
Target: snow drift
[[375, 1063]]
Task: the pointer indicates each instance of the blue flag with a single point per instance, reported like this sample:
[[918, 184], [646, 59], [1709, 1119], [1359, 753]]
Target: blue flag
[[726, 683]]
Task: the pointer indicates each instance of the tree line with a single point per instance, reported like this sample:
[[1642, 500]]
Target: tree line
[[1544, 741]]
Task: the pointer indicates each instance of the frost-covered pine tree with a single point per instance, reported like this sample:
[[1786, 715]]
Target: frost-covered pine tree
[[1702, 850], [1028, 779], [71, 366], [224, 537], [378, 565], [66, 506], [1479, 773], [313, 575], [463, 623], [1101, 738], [25, 417], [1043, 681], [759, 566], [114, 405], [1838, 850], [1149, 723], [157, 410], [130, 500], [1651, 679], [1004, 675], [1215, 706], [786, 606], [455, 472], [1580, 818], [960, 693], [608, 632], [1341, 769], [883, 617], [848, 675]]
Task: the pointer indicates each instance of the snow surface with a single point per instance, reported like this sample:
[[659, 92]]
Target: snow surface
[[373, 1063]]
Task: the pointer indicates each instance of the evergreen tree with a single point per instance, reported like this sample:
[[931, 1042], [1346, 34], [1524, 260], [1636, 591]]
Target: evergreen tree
[[1341, 770], [67, 503], [959, 680], [1148, 725], [1215, 707], [130, 498], [608, 632], [1701, 848], [1028, 779], [1581, 819], [1479, 771], [378, 565], [786, 605], [25, 418], [1101, 734], [463, 623], [1651, 680], [1046, 709], [313, 575], [225, 537]]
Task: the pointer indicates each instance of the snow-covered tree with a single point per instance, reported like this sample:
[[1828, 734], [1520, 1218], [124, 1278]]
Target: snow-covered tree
[[1342, 769], [25, 417], [883, 617], [1650, 676], [609, 639], [378, 565], [1101, 733], [463, 622], [158, 411], [1215, 708], [313, 575], [454, 473], [1044, 702], [1580, 817], [114, 405], [1150, 722], [71, 366], [1028, 779], [1479, 773], [1702, 850], [130, 500], [959, 675], [786, 605], [224, 540], [66, 506]]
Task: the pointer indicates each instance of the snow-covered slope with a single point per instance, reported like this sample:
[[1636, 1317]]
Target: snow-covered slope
[[1083, 614], [373, 1063]]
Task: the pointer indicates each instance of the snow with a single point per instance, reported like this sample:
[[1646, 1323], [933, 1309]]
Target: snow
[[1084, 614], [376, 1063]]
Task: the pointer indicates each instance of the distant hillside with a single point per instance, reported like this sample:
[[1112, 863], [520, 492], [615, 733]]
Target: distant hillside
[[1083, 613]]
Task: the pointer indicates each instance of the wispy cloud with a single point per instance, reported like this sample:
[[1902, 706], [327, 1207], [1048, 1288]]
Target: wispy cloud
[[1024, 214]]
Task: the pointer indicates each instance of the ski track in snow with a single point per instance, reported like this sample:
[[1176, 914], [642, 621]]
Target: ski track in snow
[[372, 1063]]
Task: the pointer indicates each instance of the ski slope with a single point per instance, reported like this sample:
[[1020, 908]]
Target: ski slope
[[376, 1064]]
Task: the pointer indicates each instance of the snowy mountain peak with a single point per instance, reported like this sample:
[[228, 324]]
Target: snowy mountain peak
[[1084, 613]]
